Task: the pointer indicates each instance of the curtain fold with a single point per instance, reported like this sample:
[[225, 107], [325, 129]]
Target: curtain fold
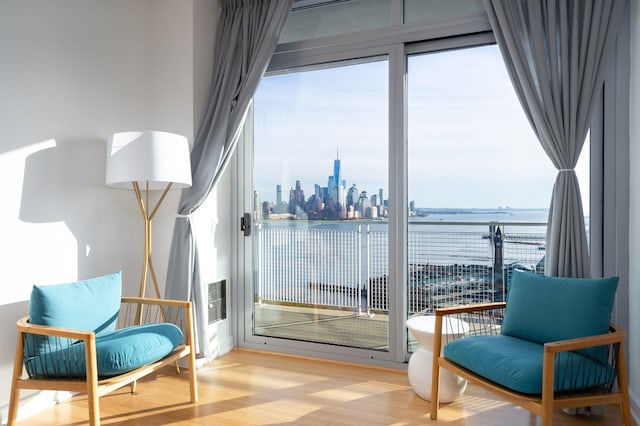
[[246, 37], [556, 53]]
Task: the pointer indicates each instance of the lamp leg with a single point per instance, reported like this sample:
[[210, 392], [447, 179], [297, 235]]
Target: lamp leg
[[147, 217], [146, 256], [147, 231], [153, 277]]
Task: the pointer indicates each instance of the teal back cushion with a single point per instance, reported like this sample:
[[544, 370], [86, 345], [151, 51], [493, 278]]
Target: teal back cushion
[[545, 309], [90, 305]]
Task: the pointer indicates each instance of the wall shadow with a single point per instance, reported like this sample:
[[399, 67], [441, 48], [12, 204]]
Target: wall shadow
[[9, 315], [65, 183]]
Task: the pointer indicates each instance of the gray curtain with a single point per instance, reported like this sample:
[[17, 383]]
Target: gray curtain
[[556, 52], [246, 37]]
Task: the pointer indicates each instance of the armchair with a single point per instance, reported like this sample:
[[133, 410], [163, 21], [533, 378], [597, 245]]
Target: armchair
[[550, 346], [85, 337]]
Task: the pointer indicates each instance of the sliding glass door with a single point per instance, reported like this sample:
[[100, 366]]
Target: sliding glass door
[[320, 180], [383, 178], [479, 183]]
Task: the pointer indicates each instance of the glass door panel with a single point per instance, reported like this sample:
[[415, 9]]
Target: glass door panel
[[479, 183], [320, 173]]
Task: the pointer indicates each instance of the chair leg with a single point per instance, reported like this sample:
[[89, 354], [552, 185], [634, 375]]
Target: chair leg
[[14, 399], [193, 380], [435, 391], [13, 405], [623, 383], [94, 408], [548, 365], [92, 381], [435, 368]]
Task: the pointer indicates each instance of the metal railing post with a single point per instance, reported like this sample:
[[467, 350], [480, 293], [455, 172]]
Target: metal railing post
[[498, 278], [363, 261], [257, 254]]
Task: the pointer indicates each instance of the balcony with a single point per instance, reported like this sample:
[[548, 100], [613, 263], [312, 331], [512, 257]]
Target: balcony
[[328, 279]]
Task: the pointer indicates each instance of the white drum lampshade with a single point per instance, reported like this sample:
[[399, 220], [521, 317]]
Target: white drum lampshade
[[149, 156]]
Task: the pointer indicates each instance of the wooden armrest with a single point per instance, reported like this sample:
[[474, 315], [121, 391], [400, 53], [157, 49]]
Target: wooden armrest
[[136, 310], [469, 308], [24, 326], [616, 335]]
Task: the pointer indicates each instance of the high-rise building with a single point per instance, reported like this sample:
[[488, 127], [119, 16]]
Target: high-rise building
[[352, 195], [363, 203], [296, 199], [340, 195], [336, 170]]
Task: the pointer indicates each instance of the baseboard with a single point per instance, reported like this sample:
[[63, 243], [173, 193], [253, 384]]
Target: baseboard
[[222, 347], [33, 403]]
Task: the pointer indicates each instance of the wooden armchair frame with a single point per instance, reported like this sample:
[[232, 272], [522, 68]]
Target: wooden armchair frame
[[135, 310], [544, 404]]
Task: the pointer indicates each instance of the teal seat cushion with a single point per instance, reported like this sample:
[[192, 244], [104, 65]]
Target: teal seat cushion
[[117, 352], [517, 364], [89, 305], [544, 309]]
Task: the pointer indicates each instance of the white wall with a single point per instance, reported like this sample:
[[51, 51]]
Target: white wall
[[634, 213], [71, 73]]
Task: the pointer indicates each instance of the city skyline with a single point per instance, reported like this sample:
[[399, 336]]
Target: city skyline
[[333, 201]]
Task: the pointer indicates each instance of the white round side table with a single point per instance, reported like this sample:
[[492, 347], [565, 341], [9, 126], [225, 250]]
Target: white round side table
[[420, 364]]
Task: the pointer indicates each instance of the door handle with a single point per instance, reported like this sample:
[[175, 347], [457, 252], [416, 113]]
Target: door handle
[[245, 224]]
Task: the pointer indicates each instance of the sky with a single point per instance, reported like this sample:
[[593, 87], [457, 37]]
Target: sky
[[469, 142]]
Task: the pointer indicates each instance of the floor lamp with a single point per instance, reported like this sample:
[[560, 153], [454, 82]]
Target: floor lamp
[[148, 161]]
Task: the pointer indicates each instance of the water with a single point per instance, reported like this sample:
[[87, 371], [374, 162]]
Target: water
[[507, 216], [454, 238], [447, 236]]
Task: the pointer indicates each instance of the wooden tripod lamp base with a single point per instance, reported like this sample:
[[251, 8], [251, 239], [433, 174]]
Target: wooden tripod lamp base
[[147, 217]]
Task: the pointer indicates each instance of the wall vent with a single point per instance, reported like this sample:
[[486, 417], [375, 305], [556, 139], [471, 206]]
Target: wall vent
[[217, 301]]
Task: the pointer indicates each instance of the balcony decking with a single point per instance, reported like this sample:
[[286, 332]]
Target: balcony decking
[[336, 327]]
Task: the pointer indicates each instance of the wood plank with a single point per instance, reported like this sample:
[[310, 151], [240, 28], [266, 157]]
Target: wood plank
[[254, 388]]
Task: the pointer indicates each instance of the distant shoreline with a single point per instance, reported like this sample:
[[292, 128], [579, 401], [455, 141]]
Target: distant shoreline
[[471, 210]]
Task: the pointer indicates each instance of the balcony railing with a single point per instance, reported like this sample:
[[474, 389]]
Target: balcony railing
[[345, 265]]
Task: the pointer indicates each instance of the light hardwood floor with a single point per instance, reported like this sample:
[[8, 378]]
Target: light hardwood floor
[[252, 388]]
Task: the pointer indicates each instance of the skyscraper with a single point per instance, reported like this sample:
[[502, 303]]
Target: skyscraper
[[352, 195], [336, 170]]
